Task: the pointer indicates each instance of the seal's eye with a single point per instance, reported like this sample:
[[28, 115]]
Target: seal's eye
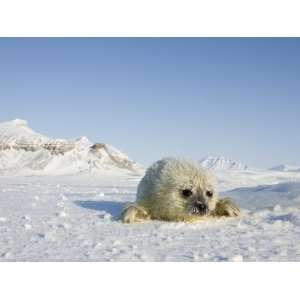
[[187, 193], [209, 194]]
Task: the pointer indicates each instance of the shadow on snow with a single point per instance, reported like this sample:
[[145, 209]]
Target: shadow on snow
[[111, 207]]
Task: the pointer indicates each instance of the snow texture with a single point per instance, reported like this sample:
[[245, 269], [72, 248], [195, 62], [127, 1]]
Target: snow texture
[[75, 217]]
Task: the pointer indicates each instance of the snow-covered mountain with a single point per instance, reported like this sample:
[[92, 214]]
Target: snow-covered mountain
[[285, 168], [221, 163], [24, 151]]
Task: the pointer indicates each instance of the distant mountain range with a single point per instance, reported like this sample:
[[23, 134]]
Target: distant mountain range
[[285, 168], [221, 163], [24, 151]]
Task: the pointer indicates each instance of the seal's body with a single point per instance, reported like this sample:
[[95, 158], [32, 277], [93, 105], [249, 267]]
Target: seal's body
[[177, 190]]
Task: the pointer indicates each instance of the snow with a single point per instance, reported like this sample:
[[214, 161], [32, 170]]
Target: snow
[[17, 131], [285, 168], [64, 205], [277, 195], [75, 218], [221, 163], [25, 152]]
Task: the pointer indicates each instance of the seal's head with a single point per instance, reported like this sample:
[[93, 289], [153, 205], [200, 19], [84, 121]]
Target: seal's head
[[178, 187]]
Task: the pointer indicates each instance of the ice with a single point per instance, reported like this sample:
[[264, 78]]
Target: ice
[[92, 231], [62, 214], [27, 226]]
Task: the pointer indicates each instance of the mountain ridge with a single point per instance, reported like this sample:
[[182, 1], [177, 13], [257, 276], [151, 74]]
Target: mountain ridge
[[285, 168], [24, 151], [221, 163]]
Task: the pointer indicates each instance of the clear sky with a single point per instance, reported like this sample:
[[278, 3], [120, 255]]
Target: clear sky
[[157, 97]]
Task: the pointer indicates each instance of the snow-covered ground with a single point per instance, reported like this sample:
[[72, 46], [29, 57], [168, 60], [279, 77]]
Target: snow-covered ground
[[60, 200], [75, 218]]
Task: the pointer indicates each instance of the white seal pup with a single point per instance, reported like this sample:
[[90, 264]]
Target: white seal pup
[[178, 190]]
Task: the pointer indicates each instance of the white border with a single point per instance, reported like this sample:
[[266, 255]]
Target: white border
[[149, 281], [149, 18]]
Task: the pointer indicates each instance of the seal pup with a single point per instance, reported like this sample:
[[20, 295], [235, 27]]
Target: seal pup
[[178, 190]]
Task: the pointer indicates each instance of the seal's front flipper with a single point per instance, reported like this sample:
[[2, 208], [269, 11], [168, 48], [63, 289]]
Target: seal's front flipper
[[134, 214], [227, 208]]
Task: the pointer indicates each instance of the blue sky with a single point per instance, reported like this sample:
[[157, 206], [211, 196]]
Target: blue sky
[[157, 97]]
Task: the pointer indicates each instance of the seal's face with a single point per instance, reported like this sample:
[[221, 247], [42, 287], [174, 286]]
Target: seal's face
[[187, 188], [176, 187], [198, 200]]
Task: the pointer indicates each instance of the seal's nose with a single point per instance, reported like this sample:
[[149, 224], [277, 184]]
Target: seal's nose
[[202, 207]]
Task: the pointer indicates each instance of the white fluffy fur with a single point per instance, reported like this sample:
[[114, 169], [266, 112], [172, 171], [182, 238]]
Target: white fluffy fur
[[160, 191]]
